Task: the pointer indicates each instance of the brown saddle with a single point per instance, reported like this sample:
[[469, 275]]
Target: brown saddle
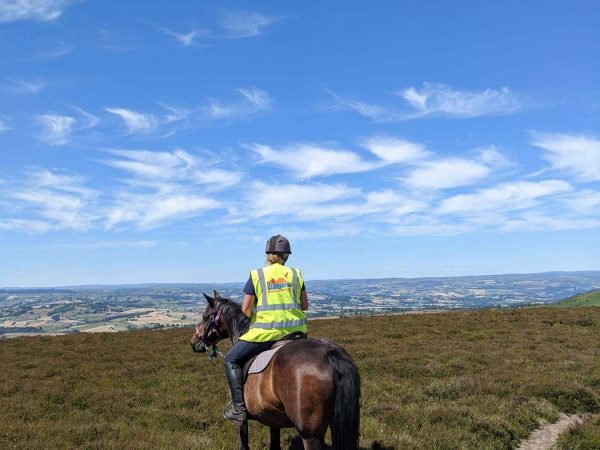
[[259, 362]]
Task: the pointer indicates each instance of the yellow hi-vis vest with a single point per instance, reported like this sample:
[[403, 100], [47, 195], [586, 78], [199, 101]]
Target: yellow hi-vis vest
[[278, 311]]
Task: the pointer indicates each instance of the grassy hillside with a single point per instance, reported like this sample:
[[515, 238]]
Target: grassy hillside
[[591, 298], [469, 380]]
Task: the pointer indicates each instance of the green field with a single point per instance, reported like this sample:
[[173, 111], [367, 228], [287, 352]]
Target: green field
[[591, 298], [470, 380]]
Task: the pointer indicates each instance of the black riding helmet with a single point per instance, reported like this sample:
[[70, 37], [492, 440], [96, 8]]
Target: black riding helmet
[[278, 244]]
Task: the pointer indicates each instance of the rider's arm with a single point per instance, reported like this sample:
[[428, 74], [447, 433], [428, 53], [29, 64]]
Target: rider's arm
[[303, 300], [247, 305]]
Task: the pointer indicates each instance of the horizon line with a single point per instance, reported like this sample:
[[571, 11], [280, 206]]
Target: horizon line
[[134, 284]]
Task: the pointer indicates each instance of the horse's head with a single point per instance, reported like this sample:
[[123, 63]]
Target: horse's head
[[212, 328]]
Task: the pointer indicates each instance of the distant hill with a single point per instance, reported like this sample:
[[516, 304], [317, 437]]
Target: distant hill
[[591, 298]]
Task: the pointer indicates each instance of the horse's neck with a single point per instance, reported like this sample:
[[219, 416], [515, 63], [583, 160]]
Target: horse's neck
[[237, 323]]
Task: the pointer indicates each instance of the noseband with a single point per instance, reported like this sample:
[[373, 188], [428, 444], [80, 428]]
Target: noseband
[[211, 334]]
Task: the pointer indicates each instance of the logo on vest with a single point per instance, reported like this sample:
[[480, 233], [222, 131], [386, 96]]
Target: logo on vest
[[278, 284]]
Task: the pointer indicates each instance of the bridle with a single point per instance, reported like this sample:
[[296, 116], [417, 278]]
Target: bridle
[[212, 335]]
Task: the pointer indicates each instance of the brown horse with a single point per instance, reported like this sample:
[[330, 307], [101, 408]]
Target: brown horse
[[310, 384]]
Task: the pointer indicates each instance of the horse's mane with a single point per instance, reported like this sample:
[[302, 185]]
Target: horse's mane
[[236, 320]]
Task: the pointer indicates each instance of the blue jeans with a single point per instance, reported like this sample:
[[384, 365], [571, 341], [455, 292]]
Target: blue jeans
[[243, 351]]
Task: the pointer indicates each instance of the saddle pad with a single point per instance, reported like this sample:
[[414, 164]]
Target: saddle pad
[[263, 359]]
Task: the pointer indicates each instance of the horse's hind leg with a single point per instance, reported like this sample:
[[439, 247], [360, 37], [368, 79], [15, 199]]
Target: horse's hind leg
[[314, 443], [275, 439]]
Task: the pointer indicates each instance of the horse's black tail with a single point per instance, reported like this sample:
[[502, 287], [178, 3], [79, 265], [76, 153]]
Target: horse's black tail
[[345, 422]]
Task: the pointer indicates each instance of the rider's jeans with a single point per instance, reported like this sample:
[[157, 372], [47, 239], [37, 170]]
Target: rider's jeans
[[243, 351]]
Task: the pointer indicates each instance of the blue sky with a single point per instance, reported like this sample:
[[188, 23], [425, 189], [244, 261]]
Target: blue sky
[[396, 139]]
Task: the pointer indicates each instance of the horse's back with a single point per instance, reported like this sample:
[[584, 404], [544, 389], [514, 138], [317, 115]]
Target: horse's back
[[296, 389]]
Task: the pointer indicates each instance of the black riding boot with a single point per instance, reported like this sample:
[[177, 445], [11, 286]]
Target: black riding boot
[[237, 413]]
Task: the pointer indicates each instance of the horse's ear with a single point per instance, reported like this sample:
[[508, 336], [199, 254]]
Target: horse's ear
[[217, 295], [209, 299]]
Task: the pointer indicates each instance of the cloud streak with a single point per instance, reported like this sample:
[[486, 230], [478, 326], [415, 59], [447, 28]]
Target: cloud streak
[[231, 25], [38, 10], [446, 173], [436, 100], [185, 39], [57, 129], [134, 121], [62, 201], [308, 160], [21, 86], [164, 186], [253, 101], [4, 125], [578, 155], [440, 99], [244, 24]]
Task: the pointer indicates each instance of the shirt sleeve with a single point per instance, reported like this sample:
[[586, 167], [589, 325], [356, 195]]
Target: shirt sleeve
[[249, 288]]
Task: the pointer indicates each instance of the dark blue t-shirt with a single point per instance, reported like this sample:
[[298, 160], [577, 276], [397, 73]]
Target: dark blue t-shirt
[[249, 288]]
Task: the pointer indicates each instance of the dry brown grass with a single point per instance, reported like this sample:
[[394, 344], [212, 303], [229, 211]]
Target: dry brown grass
[[474, 380]]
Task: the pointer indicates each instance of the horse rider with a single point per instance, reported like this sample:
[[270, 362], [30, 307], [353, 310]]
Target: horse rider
[[274, 300]]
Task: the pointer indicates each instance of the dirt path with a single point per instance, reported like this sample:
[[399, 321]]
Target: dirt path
[[546, 437]]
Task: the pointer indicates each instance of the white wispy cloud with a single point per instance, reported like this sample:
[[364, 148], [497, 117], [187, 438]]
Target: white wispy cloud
[[395, 151], [157, 168], [62, 200], [432, 229], [39, 10], [58, 51], [584, 202], [26, 226], [185, 39], [135, 122], [232, 25], [244, 24], [390, 203], [446, 173], [322, 203], [504, 197], [164, 186], [535, 221], [4, 125], [175, 114], [492, 156], [440, 99], [22, 86], [435, 99], [143, 243], [576, 154], [151, 210], [324, 231], [308, 199], [57, 129], [309, 160], [253, 101]]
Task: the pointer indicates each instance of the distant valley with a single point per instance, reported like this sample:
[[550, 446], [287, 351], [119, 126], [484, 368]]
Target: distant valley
[[128, 307]]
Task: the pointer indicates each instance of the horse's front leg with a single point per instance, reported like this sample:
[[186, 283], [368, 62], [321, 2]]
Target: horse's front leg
[[275, 439], [243, 428]]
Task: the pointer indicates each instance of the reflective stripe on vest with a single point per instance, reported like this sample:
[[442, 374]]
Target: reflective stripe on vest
[[279, 307], [286, 324], [263, 286]]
